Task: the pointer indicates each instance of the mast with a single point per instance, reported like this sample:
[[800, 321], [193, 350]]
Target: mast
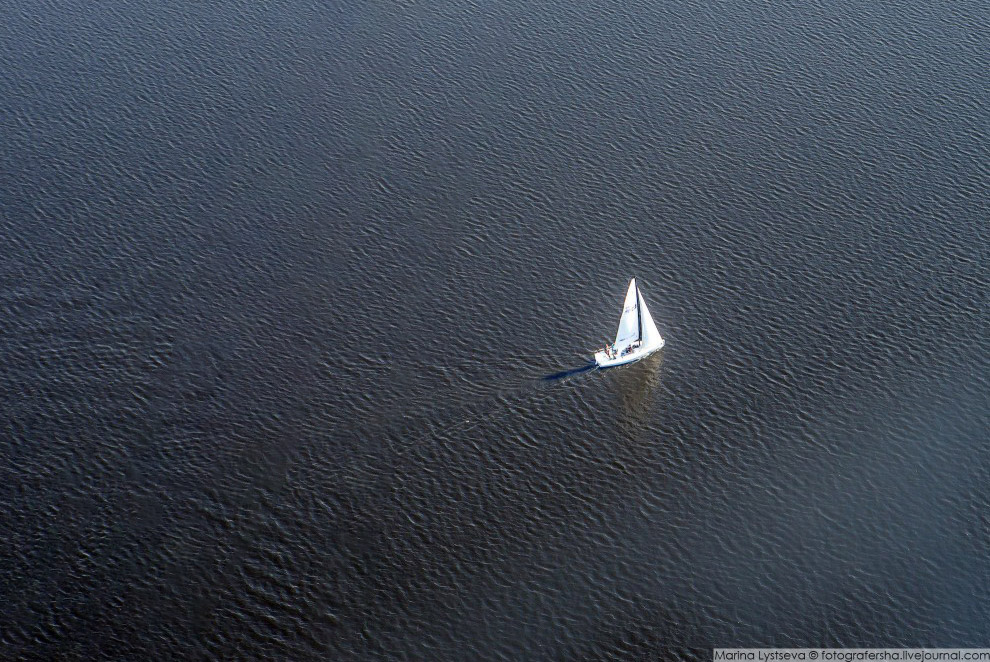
[[639, 313]]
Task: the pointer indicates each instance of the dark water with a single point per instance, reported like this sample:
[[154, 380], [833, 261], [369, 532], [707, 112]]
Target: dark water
[[279, 282]]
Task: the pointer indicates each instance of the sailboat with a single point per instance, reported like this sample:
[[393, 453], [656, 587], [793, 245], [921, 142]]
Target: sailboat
[[637, 336]]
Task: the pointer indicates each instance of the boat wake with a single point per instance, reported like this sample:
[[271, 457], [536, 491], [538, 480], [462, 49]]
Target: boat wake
[[557, 376]]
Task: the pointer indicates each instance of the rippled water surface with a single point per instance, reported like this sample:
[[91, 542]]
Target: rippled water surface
[[279, 282]]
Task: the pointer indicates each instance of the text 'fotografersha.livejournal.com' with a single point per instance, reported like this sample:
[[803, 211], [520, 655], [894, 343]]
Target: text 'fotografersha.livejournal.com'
[[851, 654]]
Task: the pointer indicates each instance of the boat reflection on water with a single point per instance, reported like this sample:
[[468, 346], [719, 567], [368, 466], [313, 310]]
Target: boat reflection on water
[[636, 389]]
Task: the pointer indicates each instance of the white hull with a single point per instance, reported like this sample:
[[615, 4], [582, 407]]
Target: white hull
[[604, 361]]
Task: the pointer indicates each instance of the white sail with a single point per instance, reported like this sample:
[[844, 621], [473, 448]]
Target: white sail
[[629, 323], [650, 334]]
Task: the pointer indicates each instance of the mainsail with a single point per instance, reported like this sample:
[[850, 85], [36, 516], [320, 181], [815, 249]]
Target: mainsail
[[630, 324]]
